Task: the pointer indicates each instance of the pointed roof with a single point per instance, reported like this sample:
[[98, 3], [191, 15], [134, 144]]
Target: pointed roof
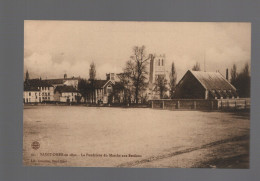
[[212, 80], [99, 84]]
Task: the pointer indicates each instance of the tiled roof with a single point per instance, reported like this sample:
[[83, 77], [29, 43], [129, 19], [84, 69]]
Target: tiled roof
[[37, 83], [212, 80], [65, 88], [98, 84], [60, 81], [28, 88], [54, 81]]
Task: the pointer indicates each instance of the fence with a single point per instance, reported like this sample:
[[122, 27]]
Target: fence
[[242, 103], [201, 104]]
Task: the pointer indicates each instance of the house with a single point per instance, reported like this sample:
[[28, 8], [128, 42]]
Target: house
[[45, 93], [204, 85], [31, 94], [66, 94], [100, 90], [73, 81]]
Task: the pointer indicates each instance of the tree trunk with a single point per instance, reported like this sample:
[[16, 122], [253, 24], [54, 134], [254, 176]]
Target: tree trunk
[[136, 95]]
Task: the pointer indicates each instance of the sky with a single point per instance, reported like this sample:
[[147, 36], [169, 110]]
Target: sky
[[52, 48]]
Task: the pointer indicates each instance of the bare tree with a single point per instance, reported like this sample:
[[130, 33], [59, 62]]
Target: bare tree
[[125, 81], [92, 77], [136, 69], [173, 78], [161, 85], [196, 67]]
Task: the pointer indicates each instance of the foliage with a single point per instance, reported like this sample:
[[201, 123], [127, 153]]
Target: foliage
[[161, 86], [92, 77], [173, 79], [125, 81], [83, 88], [233, 74], [196, 67], [92, 71], [241, 80]]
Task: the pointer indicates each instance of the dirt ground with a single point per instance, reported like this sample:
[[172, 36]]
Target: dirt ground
[[134, 137]]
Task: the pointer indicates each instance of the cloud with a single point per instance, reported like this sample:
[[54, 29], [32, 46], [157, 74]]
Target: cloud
[[42, 65], [55, 47]]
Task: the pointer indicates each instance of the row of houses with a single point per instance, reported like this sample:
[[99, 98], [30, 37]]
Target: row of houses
[[66, 90], [193, 85], [51, 90]]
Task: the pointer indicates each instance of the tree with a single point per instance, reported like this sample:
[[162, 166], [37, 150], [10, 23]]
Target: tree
[[196, 67], [243, 82], [27, 77], [92, 71], [161, 85], [173, 78], [234, 74], [136, 69], [92, 77], [125, 81], [83, 88]]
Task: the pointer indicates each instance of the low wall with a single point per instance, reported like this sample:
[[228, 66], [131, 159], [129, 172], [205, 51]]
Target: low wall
[[200, 104], [241, 103]]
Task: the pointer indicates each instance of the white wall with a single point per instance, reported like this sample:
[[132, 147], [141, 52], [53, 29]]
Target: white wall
[[31, 96]]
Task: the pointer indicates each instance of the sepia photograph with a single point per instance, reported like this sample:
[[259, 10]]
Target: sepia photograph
[[137, 94]]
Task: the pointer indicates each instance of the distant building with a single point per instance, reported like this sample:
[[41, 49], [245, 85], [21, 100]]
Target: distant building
[[111, 76], [73, 81], [102, 89], [43, 90], [204, 85], [31, 95], [66, 94], [157, 67]]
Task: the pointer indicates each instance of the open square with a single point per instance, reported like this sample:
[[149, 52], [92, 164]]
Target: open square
[[148, 137]]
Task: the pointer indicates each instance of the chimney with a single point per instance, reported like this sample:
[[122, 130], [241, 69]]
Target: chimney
[[65, 76], [108, 76], [227, 74]]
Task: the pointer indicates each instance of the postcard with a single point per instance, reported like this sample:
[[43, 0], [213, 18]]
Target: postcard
[[136, 94]]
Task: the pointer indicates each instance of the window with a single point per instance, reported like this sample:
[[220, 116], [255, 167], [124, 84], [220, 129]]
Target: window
[[159, 62], [162, 62], [48, 93], [29, 93], [109, 89]]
